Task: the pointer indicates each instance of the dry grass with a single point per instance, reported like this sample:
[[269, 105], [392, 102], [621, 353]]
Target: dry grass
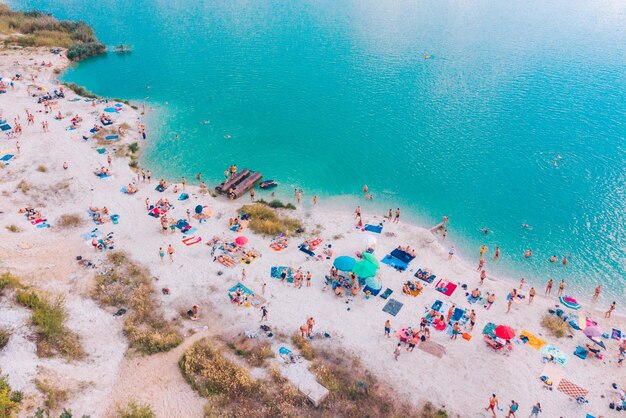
[[126, 284], [49, 316], [265, 220], [253, 351], [304, 346], [54, 396], [13, 228], [134, 410], [42, 168], [557, 327], [8, 281], [70, 220], [5, 336], [24, 186]]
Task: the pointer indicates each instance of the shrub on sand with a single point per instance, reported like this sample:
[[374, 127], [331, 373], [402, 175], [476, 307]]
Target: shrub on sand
[[133, 410], [255, 352], [13, 228], [8, 281], [264, 220], [304, 345], [70, 220], [5, 336], [9, 401], [557, 327]]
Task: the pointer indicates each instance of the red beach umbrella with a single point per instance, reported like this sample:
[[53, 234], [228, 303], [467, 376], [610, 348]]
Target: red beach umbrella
[[241, 241], [505, 332]]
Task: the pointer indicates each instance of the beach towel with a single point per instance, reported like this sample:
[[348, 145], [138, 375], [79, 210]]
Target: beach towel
[[87, 236], [183, 196], [5, 127], [446, 287], [403, 334], [616, 334], [6, 157], [191, 240], [115, 219], [392, 307], [457, 315], [432, 348], [427, 279], [101, 150], [394, 262], [110, 109], [276, 271], [532, 340], [402, 256], [42, 225], [374, 228], [437, 305], [305, 250], [284, 350], [490, 329], [581, 352], [571, 389], [559, 356], [386, 293]]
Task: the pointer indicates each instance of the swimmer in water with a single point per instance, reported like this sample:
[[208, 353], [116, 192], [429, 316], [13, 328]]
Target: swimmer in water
[[485, 231], [526, 226], [426, 57], [227, 136], [205, 122]]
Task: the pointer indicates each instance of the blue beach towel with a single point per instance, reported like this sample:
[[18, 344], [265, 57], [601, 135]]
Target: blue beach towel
[[457, 315], [394, 262], [284, 350], [110, 109], [374, 228], [5, 127], [6, 157], [115, 219], [392, 307], [183, 196], [386, 293], [111, 137], [243, 289], [581, 352]]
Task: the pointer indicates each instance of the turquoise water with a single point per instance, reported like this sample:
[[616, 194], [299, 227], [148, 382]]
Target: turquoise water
[[329, 95]]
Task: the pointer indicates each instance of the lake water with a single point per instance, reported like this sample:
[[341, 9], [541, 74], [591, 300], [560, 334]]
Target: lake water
[[328, 96]]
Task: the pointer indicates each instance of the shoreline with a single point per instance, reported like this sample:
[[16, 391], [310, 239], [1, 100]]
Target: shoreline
[[193, 276]]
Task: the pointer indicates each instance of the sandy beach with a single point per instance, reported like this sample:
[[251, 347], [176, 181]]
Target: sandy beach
[[461, 380]]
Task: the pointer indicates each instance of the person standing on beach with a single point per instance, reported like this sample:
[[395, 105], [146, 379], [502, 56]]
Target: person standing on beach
[[412, 343], [596, 293], [161, 254], [263, 313], [110, 161], [142, 173], [65, 166], [451, 253], [521, 283], [309, 324], [188, 215], [450, 313], [510, 302], [491, 298], [512, 409], [390, 215], [493, 403], [303, 331], [497, 255], [184, 182], [561, 287], [397, 218], [170, 252], [263, 287], [388, 328], [531, 295], [298, 196], [308, 279], [252, 193], [483, 276], [611, 309], [481, 263], [549, 286], [397, 351], [243, 275], [314, 200], [483, 248], [535, 411], [148, 176], [358, 211]]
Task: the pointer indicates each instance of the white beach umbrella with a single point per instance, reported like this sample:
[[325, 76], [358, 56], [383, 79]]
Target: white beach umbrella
[[369, 240]]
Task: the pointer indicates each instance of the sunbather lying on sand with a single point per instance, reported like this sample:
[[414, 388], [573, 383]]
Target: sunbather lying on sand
[[130, 189], [31, 213], [193, 312], [226, 260], [102, 171]]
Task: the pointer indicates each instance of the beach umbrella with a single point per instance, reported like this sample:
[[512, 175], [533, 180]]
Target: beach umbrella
[[370, 257], [241, 241], [369, 240], [505, 332], [569, 302], [593, 331], [364, 269], [582, 322], [344, 263], [372, 283]]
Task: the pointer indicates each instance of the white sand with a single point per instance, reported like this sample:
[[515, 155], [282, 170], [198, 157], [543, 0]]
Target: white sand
[[462, 380]]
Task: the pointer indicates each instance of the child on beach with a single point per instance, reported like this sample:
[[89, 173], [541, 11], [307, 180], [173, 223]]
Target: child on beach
[[161, 254], [388, 328], [397, 351]]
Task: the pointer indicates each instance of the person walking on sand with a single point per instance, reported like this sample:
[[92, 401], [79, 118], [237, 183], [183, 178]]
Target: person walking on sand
[[388, 328], [397, 351], [497, 254], [531, 295], [549, 286], [183, 181], [483, 276], [521, 283], [451, 252], [161, 254], [303, 331], [110, 161], [170, 252], [263, 287], [397, 218], [147, 203], [493, 403], [561, 287], [263, 313], [252, 193], [509, 303], [243, 275], [611, 309], [481, 263], [310, 323], [512, 409], [535, 410], [596, 293], [314, 200], [148, 176], [358, 211]]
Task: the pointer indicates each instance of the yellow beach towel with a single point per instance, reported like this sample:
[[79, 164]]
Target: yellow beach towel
[[533, 341]]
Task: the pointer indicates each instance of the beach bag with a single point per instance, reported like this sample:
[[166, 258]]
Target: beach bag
[[467, 336]]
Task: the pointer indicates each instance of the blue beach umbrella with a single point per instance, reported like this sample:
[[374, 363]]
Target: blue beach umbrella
[[344, 263], [372, 283], [569, 302]]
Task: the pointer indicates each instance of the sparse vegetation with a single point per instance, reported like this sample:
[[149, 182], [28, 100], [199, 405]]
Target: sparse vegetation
[[304, 345], [70, 220], [80, 90], [24, 186], [37, 29], [13, 228], [126, 284], [5, 336], [54, 396], [8, 281], [9, 400], [133, 410], [276, 204], [264, 220], [557, 326], [42, 168], [133, 147], [49, 316], [253, 351]]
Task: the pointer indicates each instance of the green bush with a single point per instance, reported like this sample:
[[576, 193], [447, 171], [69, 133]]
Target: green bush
[[132, 410], [81, 51], [5, 335], [80, 90], [265, 220], [8, 403]]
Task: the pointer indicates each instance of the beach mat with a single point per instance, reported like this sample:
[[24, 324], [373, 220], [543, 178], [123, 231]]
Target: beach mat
[[243, 288], [553, 372], [5, 127], [428, 279], [571, 389], [392, 307], [559, 356], [394, 262], [386, 293], [490, 329], [433, 348], [374, 228], [445, 287], [532, 340], [6, 157]]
